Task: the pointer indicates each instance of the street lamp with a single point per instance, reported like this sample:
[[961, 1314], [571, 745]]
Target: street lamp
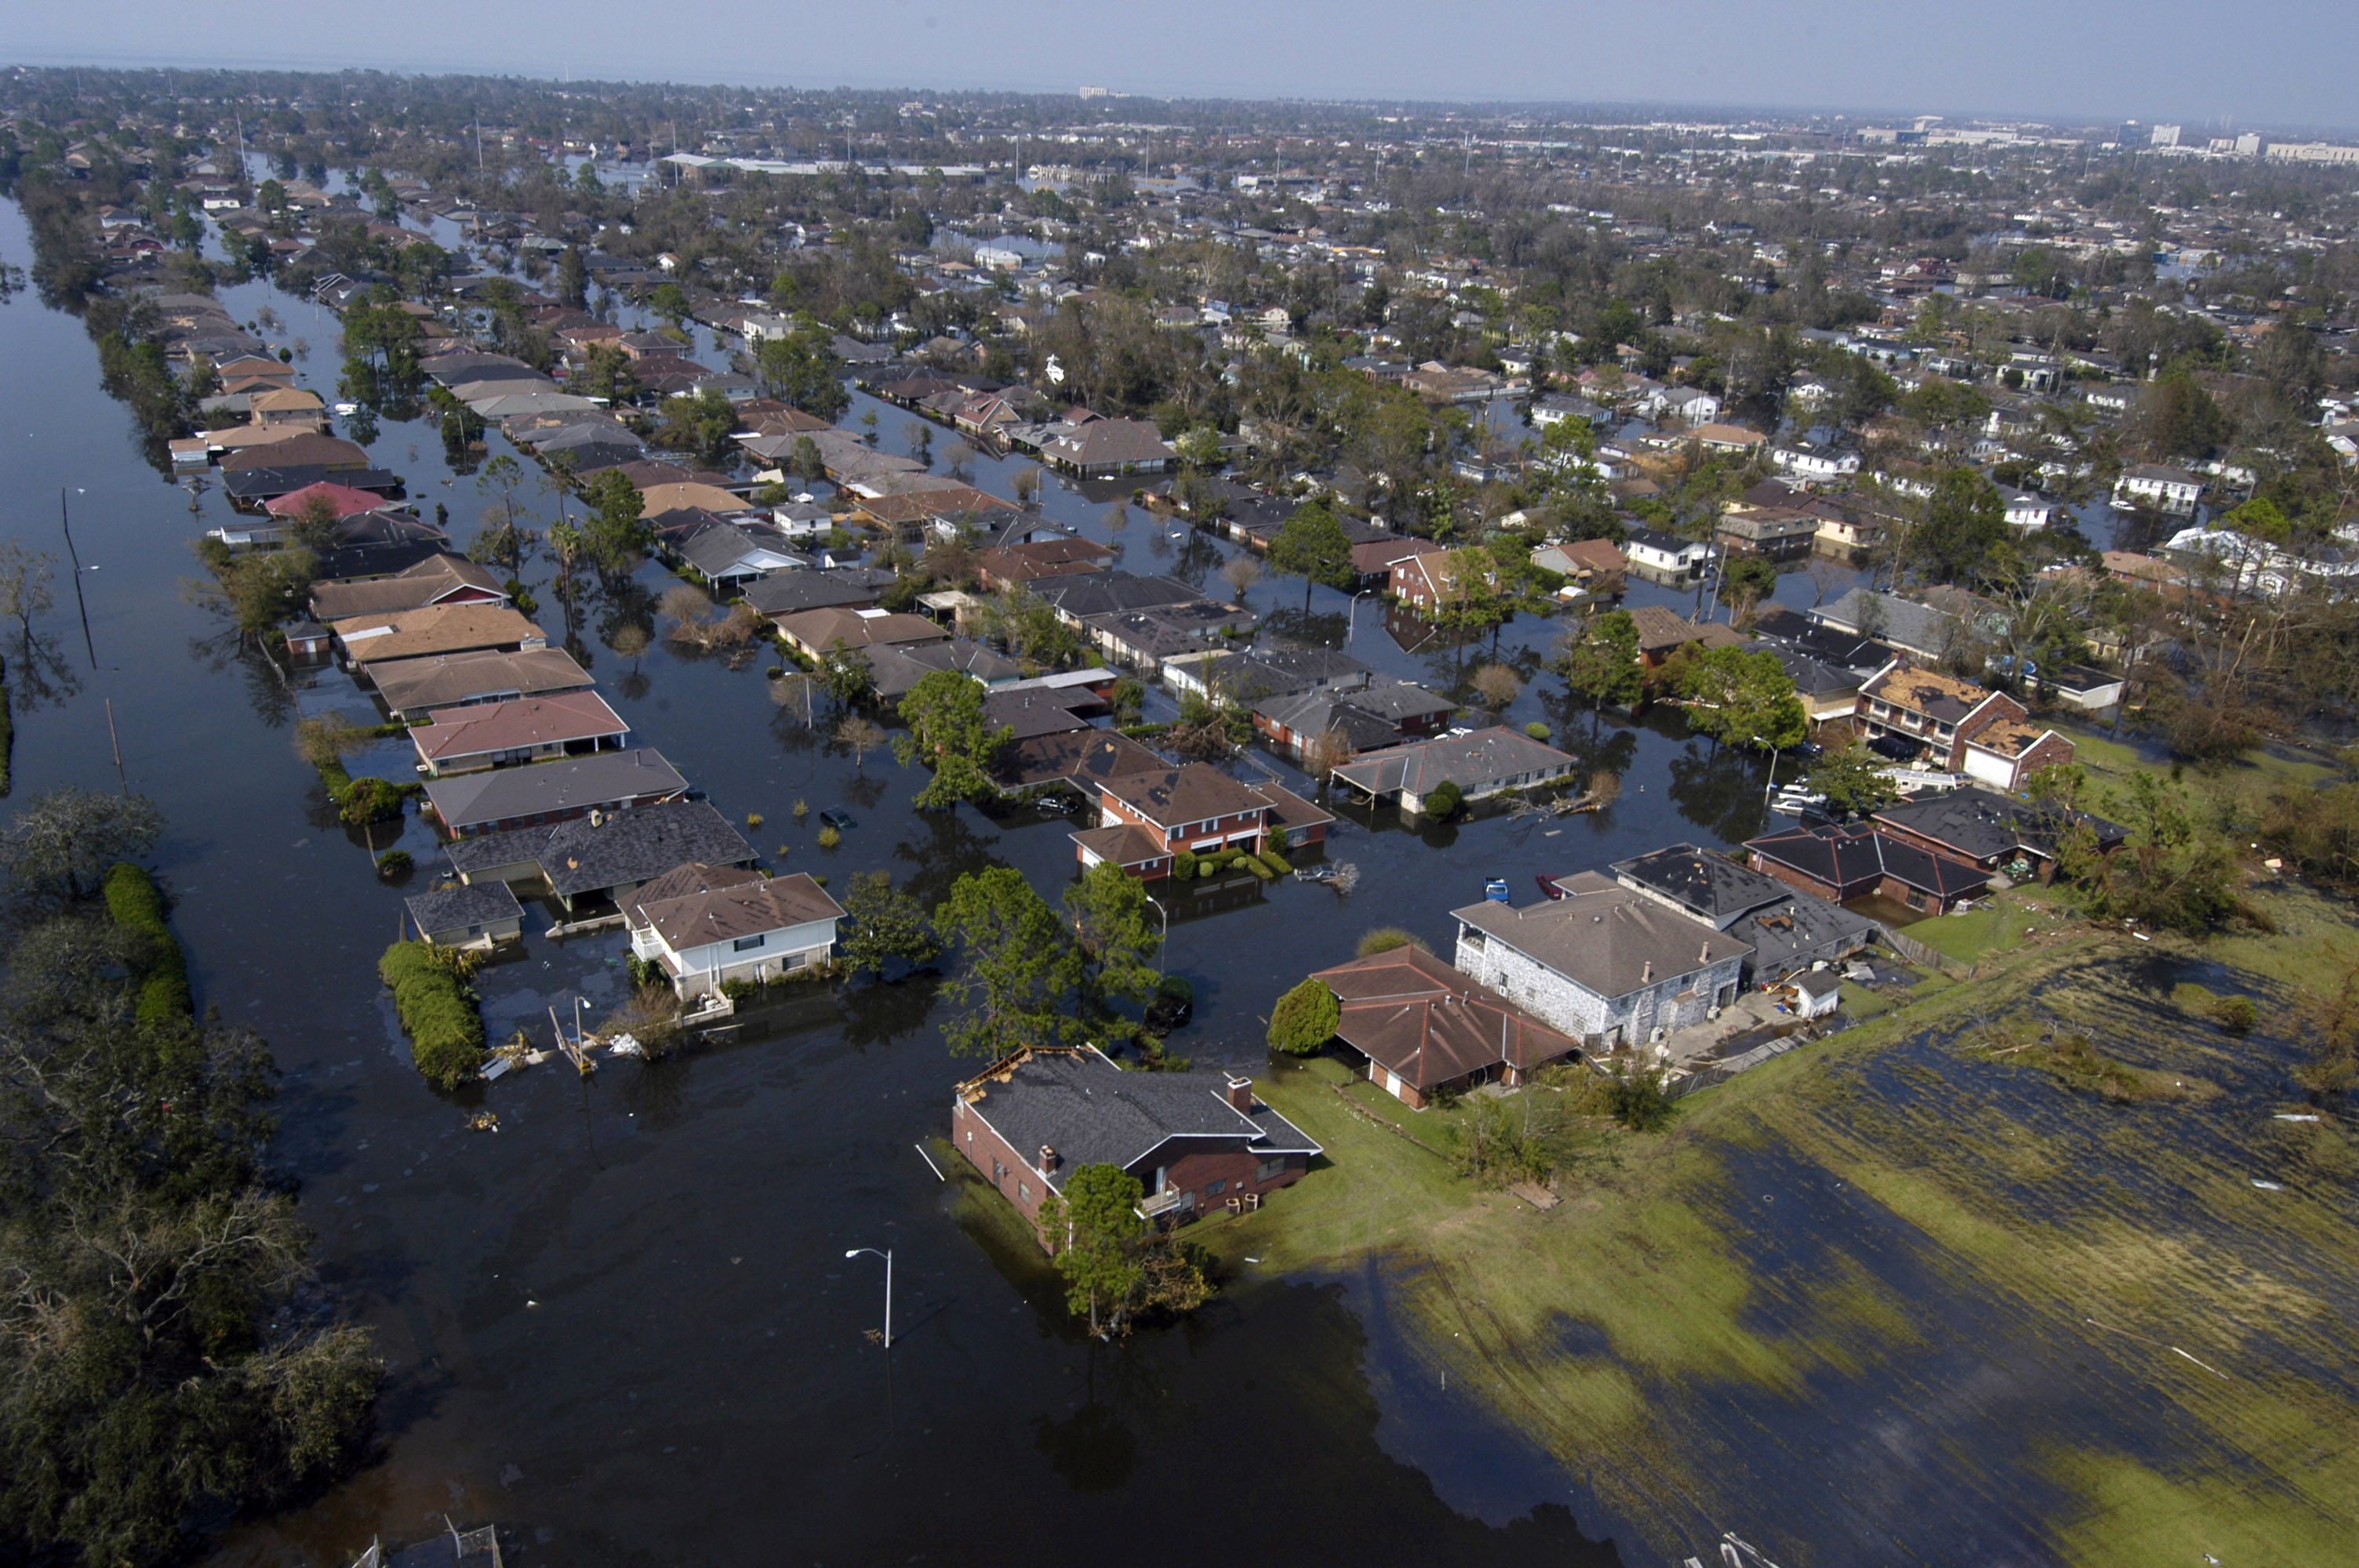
[[1166, 915], [887, 1256], [1352, 617]]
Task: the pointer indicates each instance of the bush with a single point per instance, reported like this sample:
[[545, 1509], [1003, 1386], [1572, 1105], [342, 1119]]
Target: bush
[[802, 809], [1385, 938], [829, 838], [1639, 1102], [2236, 1015], [446, 1033], [1444, 802], [1537, 730], [394, 863], [645, 972], [1278, 862], [1175, 987], [160, 967], [1304, 1019], [1183, 864]]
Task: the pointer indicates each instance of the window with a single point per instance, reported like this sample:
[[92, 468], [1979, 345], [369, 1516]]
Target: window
[[1269, 1168], [747, 944], [998, 1175], [1023, 1191], [1214, 1189]]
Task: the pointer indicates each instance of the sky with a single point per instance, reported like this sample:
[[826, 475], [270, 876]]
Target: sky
[[2268, 64]]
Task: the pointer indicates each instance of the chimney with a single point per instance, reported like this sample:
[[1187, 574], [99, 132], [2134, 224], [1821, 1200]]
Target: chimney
[[1705, 957], [1048, 1159], [1241, 1094], [1647, 975]]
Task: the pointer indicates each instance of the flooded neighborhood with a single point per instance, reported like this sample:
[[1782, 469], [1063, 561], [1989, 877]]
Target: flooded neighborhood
[[1051, 823]]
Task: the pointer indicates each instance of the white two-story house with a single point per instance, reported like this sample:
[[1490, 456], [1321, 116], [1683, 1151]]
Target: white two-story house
[[707, 925]]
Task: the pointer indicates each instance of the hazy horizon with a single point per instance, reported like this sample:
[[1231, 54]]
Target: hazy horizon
[[2105, 61]]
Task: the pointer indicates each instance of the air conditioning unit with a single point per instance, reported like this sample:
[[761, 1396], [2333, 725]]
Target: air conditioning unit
[[1713, 1013]]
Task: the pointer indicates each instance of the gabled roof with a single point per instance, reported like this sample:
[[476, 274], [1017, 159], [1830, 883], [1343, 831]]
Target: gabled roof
[[570, 783], [1938, 696], [516, 724], [1476, 762], [791, 593], [1083, 756], [408, 685], [1431, 1024], [1091, 1113], [846, 628], [430, 581], [432, 629], [693, 906], [1987, 827], [1102, 441]]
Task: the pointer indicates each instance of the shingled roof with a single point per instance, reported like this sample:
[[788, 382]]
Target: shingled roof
[[1431, 1024]]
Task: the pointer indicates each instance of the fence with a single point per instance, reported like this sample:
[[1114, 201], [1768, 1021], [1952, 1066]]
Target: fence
[[1917, 953], [1721, 1072]]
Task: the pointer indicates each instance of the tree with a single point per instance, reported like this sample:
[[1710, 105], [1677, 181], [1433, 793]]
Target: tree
[[1497, 686], [629, 642], [1601, 662], [1117, 937], [1091, 1223], [1016, 978], [845, 677], [1747, 581], [1964, 522], [859, 736], [574, 278], [24, 590], [70, 835], [1442, 801], [1240, 572], [885, 924], [802, 368], [1312, 544], [808, 464], [701, 423], [327, 740], [1743, 697], [949, 729], [615, 534], [1852, 777], [1305, 1019]]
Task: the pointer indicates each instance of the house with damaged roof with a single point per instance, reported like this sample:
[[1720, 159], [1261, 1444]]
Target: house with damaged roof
[[1198, 1142]]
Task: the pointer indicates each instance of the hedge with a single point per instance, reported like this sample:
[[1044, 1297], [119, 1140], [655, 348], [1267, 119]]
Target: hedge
[[158, 967], [1183, 864], [446, 1033], [1278, 862], [1253, 863]]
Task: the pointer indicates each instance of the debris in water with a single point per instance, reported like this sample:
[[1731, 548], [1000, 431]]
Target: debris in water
[[2268, 1187], [485, 1121], [2290, 1116]]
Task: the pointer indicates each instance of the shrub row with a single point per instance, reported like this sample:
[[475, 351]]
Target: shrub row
[[446, 1033], [159, 968]]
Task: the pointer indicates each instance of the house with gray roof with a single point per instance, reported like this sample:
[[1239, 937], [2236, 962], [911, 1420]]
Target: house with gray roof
[[1606, 965], [1481, 762], [603, 854], [1198, 1142], [467, 915], [502, 798]]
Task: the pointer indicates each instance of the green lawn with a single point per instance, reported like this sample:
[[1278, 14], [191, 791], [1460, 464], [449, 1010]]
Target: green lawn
[[1648, 1253], [1995, 927], [2110, 763]]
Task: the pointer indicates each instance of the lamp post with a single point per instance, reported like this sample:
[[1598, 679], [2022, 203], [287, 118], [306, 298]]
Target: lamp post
[[1352, 616], [887, 1256], [1165, 915]]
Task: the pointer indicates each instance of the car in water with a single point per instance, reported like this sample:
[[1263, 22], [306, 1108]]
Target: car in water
[[838, 818]]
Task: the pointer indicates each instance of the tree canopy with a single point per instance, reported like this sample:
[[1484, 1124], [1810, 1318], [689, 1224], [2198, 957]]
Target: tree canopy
[[1017, 969], [951, 733], [1743, 697]]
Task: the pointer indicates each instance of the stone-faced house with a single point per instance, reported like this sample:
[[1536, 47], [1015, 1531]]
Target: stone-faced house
[[1197, 1141], [1787, 930], [1603, 964]]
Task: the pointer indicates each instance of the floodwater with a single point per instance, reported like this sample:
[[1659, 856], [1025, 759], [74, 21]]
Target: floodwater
[[623, 1327]]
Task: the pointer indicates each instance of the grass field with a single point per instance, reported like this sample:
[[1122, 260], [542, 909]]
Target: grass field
[[1889, 1243]]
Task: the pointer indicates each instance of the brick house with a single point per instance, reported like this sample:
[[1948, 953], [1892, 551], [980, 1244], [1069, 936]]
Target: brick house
[[2018, 839], [1146, 818], [1197, 1141], [1428, 583], [1603, 964], [1964, 728], [1423, 1026], [1840, 863]]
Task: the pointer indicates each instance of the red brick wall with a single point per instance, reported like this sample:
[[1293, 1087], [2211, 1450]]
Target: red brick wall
[[975, 1139], [1793, 878], [1234, 1168]]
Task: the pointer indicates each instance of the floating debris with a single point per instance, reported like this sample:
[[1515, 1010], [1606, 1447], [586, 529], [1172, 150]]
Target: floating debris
[[483, 1122]]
